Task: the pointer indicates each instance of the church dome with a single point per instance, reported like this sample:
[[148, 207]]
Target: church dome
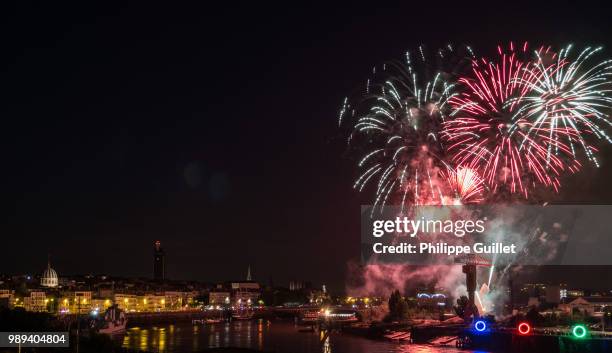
[[49, 277]]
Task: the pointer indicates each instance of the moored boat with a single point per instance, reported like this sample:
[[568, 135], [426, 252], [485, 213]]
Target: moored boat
[[113, 321]]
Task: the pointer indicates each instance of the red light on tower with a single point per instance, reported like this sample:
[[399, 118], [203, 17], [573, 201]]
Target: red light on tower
[[524, 328]]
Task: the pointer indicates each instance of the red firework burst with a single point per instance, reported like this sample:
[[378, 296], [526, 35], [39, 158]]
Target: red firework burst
[[487, 135], [466, 185]]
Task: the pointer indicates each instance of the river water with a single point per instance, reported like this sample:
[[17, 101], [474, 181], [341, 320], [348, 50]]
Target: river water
[[275, 336]]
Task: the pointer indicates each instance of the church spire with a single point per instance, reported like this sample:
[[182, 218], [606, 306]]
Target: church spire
[[249, 274]]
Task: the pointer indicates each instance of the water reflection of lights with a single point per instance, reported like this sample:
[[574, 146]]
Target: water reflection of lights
[[226, 336], [416, 348], [261, 335], [162, 340], [144, 340], [249, 330], [326, 345], [126, 341], [195, 340]]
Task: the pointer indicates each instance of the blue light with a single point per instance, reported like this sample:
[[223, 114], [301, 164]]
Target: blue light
[[480, 326]]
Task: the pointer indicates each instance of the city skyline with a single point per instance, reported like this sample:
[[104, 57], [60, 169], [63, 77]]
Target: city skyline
[[580, 277]]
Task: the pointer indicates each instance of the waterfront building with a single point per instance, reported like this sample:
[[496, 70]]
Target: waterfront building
[[219, 297], [99, 305], [158, 261], [245, 293], [151, 303], [126, 302], [76, 302], [178, 300], [174, 300]]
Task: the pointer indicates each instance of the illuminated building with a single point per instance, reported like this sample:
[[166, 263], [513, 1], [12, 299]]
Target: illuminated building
[[126, 302], [318, 296], [245, 293], [563, 291], [76, 302], [592, 306], [100, 304], [7, 298], [534, 289], [151, 303], [37, 301], [175, 300], [158, 261], [49, 277], [574, 293], [219, 297]]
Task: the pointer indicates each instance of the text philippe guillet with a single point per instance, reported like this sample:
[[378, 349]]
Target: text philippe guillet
[[459, 228]]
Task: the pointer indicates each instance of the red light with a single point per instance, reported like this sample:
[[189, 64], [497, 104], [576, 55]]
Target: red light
[[524, 328]]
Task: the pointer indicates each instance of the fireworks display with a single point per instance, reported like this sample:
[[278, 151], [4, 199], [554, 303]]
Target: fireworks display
[[399, 119], [430, 131], [568, 100], [439, 134]]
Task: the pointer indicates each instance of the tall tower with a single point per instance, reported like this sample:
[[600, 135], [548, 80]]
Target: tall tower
[[249, 278], [158, 261]]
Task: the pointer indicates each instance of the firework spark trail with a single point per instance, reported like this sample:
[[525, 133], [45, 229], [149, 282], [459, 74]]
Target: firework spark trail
[[569, 100], [467, 185], [400, 118], [486, 134]]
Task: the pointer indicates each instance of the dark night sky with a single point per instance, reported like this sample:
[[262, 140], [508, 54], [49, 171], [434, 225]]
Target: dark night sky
[[214, 129]]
